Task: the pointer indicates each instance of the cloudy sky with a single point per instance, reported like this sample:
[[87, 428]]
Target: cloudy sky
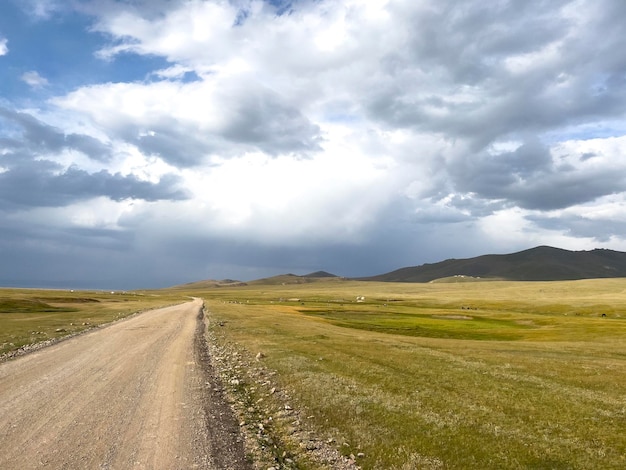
[[146, 143]]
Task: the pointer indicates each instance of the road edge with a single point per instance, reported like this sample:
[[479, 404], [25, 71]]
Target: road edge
[[221, 424]]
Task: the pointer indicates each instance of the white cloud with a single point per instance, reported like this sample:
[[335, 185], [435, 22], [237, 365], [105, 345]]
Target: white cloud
[[42, 9], [182, 33], [34, 80], [329, 197], [175, 72], [4, 49]]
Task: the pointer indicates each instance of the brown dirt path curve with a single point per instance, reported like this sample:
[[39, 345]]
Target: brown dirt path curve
[[137, 394]]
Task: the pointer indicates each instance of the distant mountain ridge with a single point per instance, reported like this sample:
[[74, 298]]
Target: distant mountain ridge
[[286, 279], [543, 263], [281, 279], [320, 274]]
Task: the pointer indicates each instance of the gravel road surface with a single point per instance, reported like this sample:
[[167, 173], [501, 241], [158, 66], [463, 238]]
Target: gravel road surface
[[137, 394]]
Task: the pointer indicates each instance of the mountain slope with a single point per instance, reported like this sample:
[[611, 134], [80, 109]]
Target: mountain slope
[[320, 274], [286, 279], [542, 263]]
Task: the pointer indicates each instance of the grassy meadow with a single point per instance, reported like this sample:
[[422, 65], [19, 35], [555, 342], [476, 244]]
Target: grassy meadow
[[456, 374], [30, 316], [444, 375]]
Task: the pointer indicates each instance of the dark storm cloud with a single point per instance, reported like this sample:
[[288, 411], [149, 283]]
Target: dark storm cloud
[[30, 179], [36, 263], [601, 229], [178, 144], [394, 241], [174, 145], [41, 183], [473, 48], [251, 118], [530, 178], [229, 257], [39, 253], [46, 236], [260, 118], [465, 43], [453, 209], [565, 189], [37, 137]]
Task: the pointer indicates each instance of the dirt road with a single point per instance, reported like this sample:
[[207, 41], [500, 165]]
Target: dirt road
[[137, 394]]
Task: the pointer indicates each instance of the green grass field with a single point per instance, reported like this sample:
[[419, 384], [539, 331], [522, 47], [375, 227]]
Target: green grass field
[[445, 375], [30, 316]]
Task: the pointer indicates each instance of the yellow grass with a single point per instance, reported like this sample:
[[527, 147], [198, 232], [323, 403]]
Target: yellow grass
[[445, 375]]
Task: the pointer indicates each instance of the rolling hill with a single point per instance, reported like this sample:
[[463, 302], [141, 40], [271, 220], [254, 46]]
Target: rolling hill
[[281, 279], [286, 279], [542, 263]]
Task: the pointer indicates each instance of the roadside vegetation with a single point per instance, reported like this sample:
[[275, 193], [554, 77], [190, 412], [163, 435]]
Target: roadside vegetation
[[452, 375], [30, 317]]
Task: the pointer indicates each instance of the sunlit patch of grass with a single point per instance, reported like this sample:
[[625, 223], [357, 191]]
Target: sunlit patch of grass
[[550, 398]]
